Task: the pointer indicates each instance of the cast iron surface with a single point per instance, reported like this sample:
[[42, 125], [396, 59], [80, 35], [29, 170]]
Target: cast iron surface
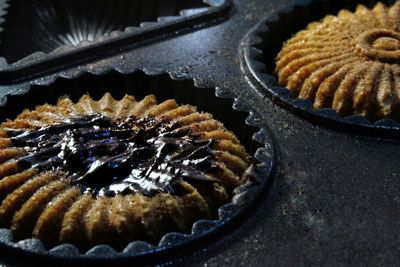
[[335, 201]]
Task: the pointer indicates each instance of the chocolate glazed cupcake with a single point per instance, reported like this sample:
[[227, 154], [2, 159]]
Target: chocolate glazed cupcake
[[112, 172]]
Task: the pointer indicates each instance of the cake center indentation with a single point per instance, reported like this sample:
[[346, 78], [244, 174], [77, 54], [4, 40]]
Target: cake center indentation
[[380, 45], [386, 44]]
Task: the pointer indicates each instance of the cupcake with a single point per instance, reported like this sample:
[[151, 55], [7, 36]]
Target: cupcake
[[112, 172], [349, 62]]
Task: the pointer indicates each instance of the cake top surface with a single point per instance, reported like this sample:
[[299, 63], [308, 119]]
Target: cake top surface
[[349, 62]]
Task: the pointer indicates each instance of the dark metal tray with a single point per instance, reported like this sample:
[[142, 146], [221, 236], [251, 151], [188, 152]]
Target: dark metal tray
[[335, 200]]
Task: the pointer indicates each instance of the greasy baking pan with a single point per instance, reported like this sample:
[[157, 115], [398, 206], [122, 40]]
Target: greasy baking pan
[[334, 198], [263, 43], [99, 29]]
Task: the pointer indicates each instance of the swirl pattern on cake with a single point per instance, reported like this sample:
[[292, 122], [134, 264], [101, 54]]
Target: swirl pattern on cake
[[349, 62], [112, 172]]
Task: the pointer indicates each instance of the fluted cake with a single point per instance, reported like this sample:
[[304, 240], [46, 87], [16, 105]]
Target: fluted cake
[[349, 62], [112, 172]]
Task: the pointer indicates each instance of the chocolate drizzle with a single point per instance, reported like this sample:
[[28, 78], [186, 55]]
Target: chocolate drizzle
[[109, 157]]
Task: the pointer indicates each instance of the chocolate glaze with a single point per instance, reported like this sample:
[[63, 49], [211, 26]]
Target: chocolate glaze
[[109, 157]]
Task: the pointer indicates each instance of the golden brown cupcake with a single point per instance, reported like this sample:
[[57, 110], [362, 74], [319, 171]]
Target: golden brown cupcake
[[112, 172], [349, 62]]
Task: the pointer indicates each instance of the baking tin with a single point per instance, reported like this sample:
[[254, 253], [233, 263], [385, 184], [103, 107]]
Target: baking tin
[[254, 135], [46, 36], [262, 44], [334, 200]]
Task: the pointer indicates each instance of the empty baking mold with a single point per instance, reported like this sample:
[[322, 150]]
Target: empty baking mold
[[45, 25]]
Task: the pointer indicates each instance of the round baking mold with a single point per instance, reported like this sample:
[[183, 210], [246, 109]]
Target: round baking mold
[[238, 117]]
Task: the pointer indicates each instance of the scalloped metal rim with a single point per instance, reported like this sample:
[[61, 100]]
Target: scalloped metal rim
[[39, 63], [254, 70], [203, 230]]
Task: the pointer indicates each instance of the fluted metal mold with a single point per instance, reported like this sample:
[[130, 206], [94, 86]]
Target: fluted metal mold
[[203, 231], [35, 31]]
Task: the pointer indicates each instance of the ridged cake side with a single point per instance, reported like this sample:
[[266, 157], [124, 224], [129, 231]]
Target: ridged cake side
[[349, 62], [46, 206]]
